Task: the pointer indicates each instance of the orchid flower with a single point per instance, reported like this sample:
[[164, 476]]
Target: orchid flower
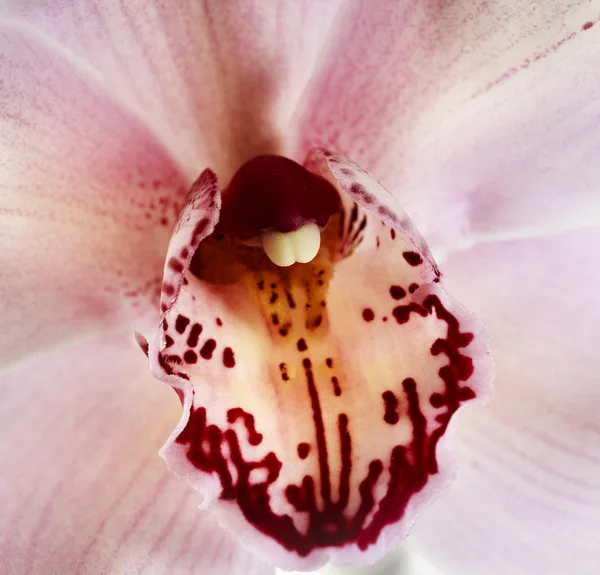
[[231, 181]]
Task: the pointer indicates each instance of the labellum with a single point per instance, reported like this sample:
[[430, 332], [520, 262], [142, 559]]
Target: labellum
[[317, 356]]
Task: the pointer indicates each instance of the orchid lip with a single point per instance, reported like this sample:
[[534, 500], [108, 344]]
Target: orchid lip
[[313, 395]]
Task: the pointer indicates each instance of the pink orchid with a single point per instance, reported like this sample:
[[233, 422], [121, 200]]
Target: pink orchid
[[124, 128]]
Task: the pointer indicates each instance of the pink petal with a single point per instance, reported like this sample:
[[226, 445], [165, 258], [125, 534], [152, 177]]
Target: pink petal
[[82, 489], [217, 80], [482, 117], [87, 202], [527, 495], [314, 437]]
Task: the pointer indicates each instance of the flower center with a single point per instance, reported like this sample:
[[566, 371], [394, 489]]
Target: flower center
[[274, 202]]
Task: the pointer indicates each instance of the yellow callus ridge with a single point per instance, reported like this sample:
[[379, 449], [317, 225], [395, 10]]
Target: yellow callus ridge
[[292, 296]]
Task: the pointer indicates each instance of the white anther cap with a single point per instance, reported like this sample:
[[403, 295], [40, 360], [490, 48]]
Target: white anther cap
[[285, 249]]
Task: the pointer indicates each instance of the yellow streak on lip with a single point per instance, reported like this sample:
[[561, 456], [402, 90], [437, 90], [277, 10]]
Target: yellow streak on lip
[[229, 261]]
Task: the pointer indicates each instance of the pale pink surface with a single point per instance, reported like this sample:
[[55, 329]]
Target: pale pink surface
[[514, 160], [527, 494], [82, 488], [481, 117], [207, 76], [88, 200]]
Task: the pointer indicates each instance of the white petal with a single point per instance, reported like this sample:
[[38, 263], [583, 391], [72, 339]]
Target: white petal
[[306, 242], [279, 247]]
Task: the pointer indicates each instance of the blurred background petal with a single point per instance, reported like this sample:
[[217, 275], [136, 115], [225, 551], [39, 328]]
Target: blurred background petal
[[481, 117], [87, 202], [527, 495], [82, 488], [217, 80]]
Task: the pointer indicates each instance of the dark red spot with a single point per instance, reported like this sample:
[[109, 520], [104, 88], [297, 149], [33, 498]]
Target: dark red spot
[[190, 356], [337, 390], [412, 258], [385, 212], [254, 438], [317, 321], [169, 341], [181, 323], [283, 370], [303, 450], [219, 322], [391, 403], [275, 319], [290, 299], [273, 298], [437, 400], [199, 229], [168, 289], [393, 233], [359, 190], [274, 192], [384, 318], [368, 314], [465, 394], [402, 312], [228, 357], [195, 332], [301, 344], [283, 331], [184, 253], [587, 25], [261, 285], [329, 362], [412, 288], [397, 292], [208, 348], [319, 432], [176, 265]]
